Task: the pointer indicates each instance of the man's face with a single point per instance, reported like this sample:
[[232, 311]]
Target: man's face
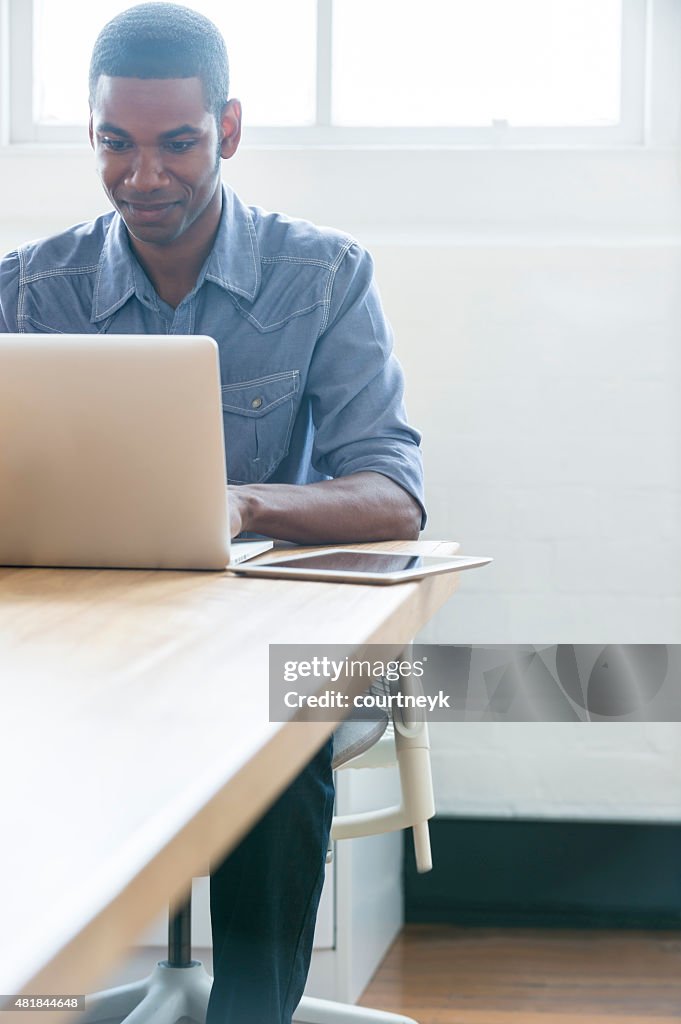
[[158, 152]]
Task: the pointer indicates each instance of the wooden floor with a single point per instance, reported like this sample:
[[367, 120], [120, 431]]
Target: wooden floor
[[441, 974]]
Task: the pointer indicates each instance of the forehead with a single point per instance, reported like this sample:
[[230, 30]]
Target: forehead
[[139, 104]]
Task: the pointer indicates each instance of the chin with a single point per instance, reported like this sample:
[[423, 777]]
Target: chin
[[152, 236]]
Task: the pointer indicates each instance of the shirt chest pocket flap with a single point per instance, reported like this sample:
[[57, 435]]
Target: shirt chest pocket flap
[[258, 418]]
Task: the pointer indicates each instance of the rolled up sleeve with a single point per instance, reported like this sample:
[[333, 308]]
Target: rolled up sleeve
[[356, 386]]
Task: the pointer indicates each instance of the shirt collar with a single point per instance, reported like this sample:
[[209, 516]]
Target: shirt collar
[[233, 263]]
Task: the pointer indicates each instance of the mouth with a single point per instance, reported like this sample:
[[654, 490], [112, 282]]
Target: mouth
[[148, 213]]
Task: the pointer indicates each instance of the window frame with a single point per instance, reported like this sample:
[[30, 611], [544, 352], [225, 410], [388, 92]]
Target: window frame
[[645, 30]]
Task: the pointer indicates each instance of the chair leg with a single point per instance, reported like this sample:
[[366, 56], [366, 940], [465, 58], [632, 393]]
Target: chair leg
[[323, 1011], [114, 1003], [166, 996]]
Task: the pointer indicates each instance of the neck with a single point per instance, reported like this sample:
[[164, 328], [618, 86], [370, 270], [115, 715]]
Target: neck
[[173, 269]]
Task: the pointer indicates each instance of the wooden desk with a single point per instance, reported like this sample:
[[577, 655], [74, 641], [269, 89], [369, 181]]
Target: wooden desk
[[135, 745]]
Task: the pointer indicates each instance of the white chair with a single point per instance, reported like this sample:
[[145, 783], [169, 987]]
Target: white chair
[[179, 987]]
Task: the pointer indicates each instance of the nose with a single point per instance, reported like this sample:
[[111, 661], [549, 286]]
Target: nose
[[146, 172]]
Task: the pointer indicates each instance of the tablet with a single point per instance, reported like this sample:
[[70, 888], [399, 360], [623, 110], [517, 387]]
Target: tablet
[[352, 565]]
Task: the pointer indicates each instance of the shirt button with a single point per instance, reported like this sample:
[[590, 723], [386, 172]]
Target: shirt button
[[256, 403]]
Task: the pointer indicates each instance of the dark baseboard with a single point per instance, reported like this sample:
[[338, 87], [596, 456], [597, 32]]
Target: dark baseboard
[[510, 872]]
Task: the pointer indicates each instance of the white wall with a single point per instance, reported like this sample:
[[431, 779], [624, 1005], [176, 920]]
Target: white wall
[[536, 301]]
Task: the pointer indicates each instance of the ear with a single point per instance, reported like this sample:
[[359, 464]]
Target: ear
[[230, 127], [91, 130]]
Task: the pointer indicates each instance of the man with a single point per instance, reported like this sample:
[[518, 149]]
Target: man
[[317, 439]]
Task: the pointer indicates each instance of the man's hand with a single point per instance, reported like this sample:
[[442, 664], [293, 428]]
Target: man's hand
[[361, 507], [237, 502]]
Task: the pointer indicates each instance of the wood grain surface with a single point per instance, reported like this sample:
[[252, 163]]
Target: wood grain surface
[[135, 744], [441, 974]]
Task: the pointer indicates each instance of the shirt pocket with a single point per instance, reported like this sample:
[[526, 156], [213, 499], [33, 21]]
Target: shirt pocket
[[258, 419], [29, 325]]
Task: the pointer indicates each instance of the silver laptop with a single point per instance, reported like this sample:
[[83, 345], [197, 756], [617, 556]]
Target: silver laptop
[[112, 453]]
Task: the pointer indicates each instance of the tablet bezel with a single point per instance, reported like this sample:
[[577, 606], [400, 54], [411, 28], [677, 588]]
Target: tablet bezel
[[275, 570]]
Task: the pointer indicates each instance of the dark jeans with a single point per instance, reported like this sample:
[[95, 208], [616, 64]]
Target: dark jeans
[[263, 904]]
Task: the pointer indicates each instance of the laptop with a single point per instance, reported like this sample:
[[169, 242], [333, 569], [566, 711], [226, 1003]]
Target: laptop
[[112, 453]]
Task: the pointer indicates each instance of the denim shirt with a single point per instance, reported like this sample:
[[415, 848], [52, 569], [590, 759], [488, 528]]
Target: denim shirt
[[310, 386]]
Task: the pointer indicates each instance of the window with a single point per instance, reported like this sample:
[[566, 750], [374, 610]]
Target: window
[[260, 61], [367, 72], [526, 62]]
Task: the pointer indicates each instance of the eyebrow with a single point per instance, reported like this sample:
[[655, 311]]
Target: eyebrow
[[113, 129], [185, 129]]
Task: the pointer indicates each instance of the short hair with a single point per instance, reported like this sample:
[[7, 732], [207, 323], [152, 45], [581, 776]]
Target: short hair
[[163, 40]]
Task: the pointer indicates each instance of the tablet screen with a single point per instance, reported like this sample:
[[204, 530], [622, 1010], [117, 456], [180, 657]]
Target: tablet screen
[[362, 561]]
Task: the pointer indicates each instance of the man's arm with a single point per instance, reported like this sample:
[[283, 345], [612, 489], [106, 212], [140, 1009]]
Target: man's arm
[[360, 507], [362, 439]]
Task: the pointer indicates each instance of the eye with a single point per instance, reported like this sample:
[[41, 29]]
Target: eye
[[114, 145], [181, 145]]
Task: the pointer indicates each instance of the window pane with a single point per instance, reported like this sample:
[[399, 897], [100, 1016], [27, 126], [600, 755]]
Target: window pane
[[273, 70], [457, 62]]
